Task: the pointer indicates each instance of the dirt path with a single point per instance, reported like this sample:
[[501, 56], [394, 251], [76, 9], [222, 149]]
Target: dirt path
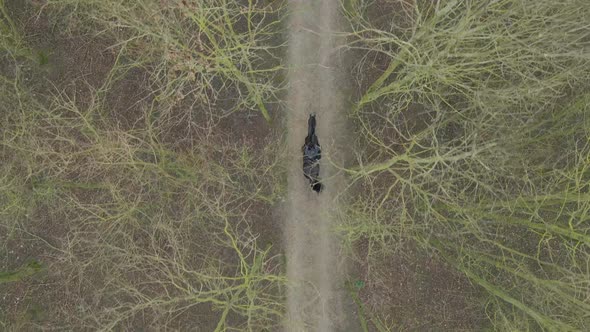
[[315, 298]]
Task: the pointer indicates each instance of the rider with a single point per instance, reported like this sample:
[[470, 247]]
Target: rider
[[312, 154]]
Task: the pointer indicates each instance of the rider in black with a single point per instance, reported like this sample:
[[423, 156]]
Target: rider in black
[[312, 154]]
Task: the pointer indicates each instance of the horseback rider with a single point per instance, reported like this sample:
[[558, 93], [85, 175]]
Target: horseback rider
[[312, 154]]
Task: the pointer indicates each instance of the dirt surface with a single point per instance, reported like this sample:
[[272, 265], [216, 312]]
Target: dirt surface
[[415, 291], [316, 298]]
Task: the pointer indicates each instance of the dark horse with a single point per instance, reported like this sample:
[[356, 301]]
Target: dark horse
[[312, 154]]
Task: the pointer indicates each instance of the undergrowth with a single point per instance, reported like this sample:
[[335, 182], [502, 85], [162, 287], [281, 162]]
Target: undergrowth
[[478, 141], [137, 230], [212, 56]]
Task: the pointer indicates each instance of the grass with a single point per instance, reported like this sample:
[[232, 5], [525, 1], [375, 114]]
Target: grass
[[25, 271], [148, 230], [136, 227], [494, 177], [208, 53]]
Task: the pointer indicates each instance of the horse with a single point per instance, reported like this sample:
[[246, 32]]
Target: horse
[[312, 154]]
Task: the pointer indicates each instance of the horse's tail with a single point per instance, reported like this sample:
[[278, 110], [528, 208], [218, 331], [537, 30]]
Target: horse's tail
[[317, 187]]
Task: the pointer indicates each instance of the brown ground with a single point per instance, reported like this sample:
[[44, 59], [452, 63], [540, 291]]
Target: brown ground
[[407, 289], [78, 66], [415, 291], [73, 66]]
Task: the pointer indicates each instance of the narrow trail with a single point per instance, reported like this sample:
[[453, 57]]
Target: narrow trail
[[315, 300]]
